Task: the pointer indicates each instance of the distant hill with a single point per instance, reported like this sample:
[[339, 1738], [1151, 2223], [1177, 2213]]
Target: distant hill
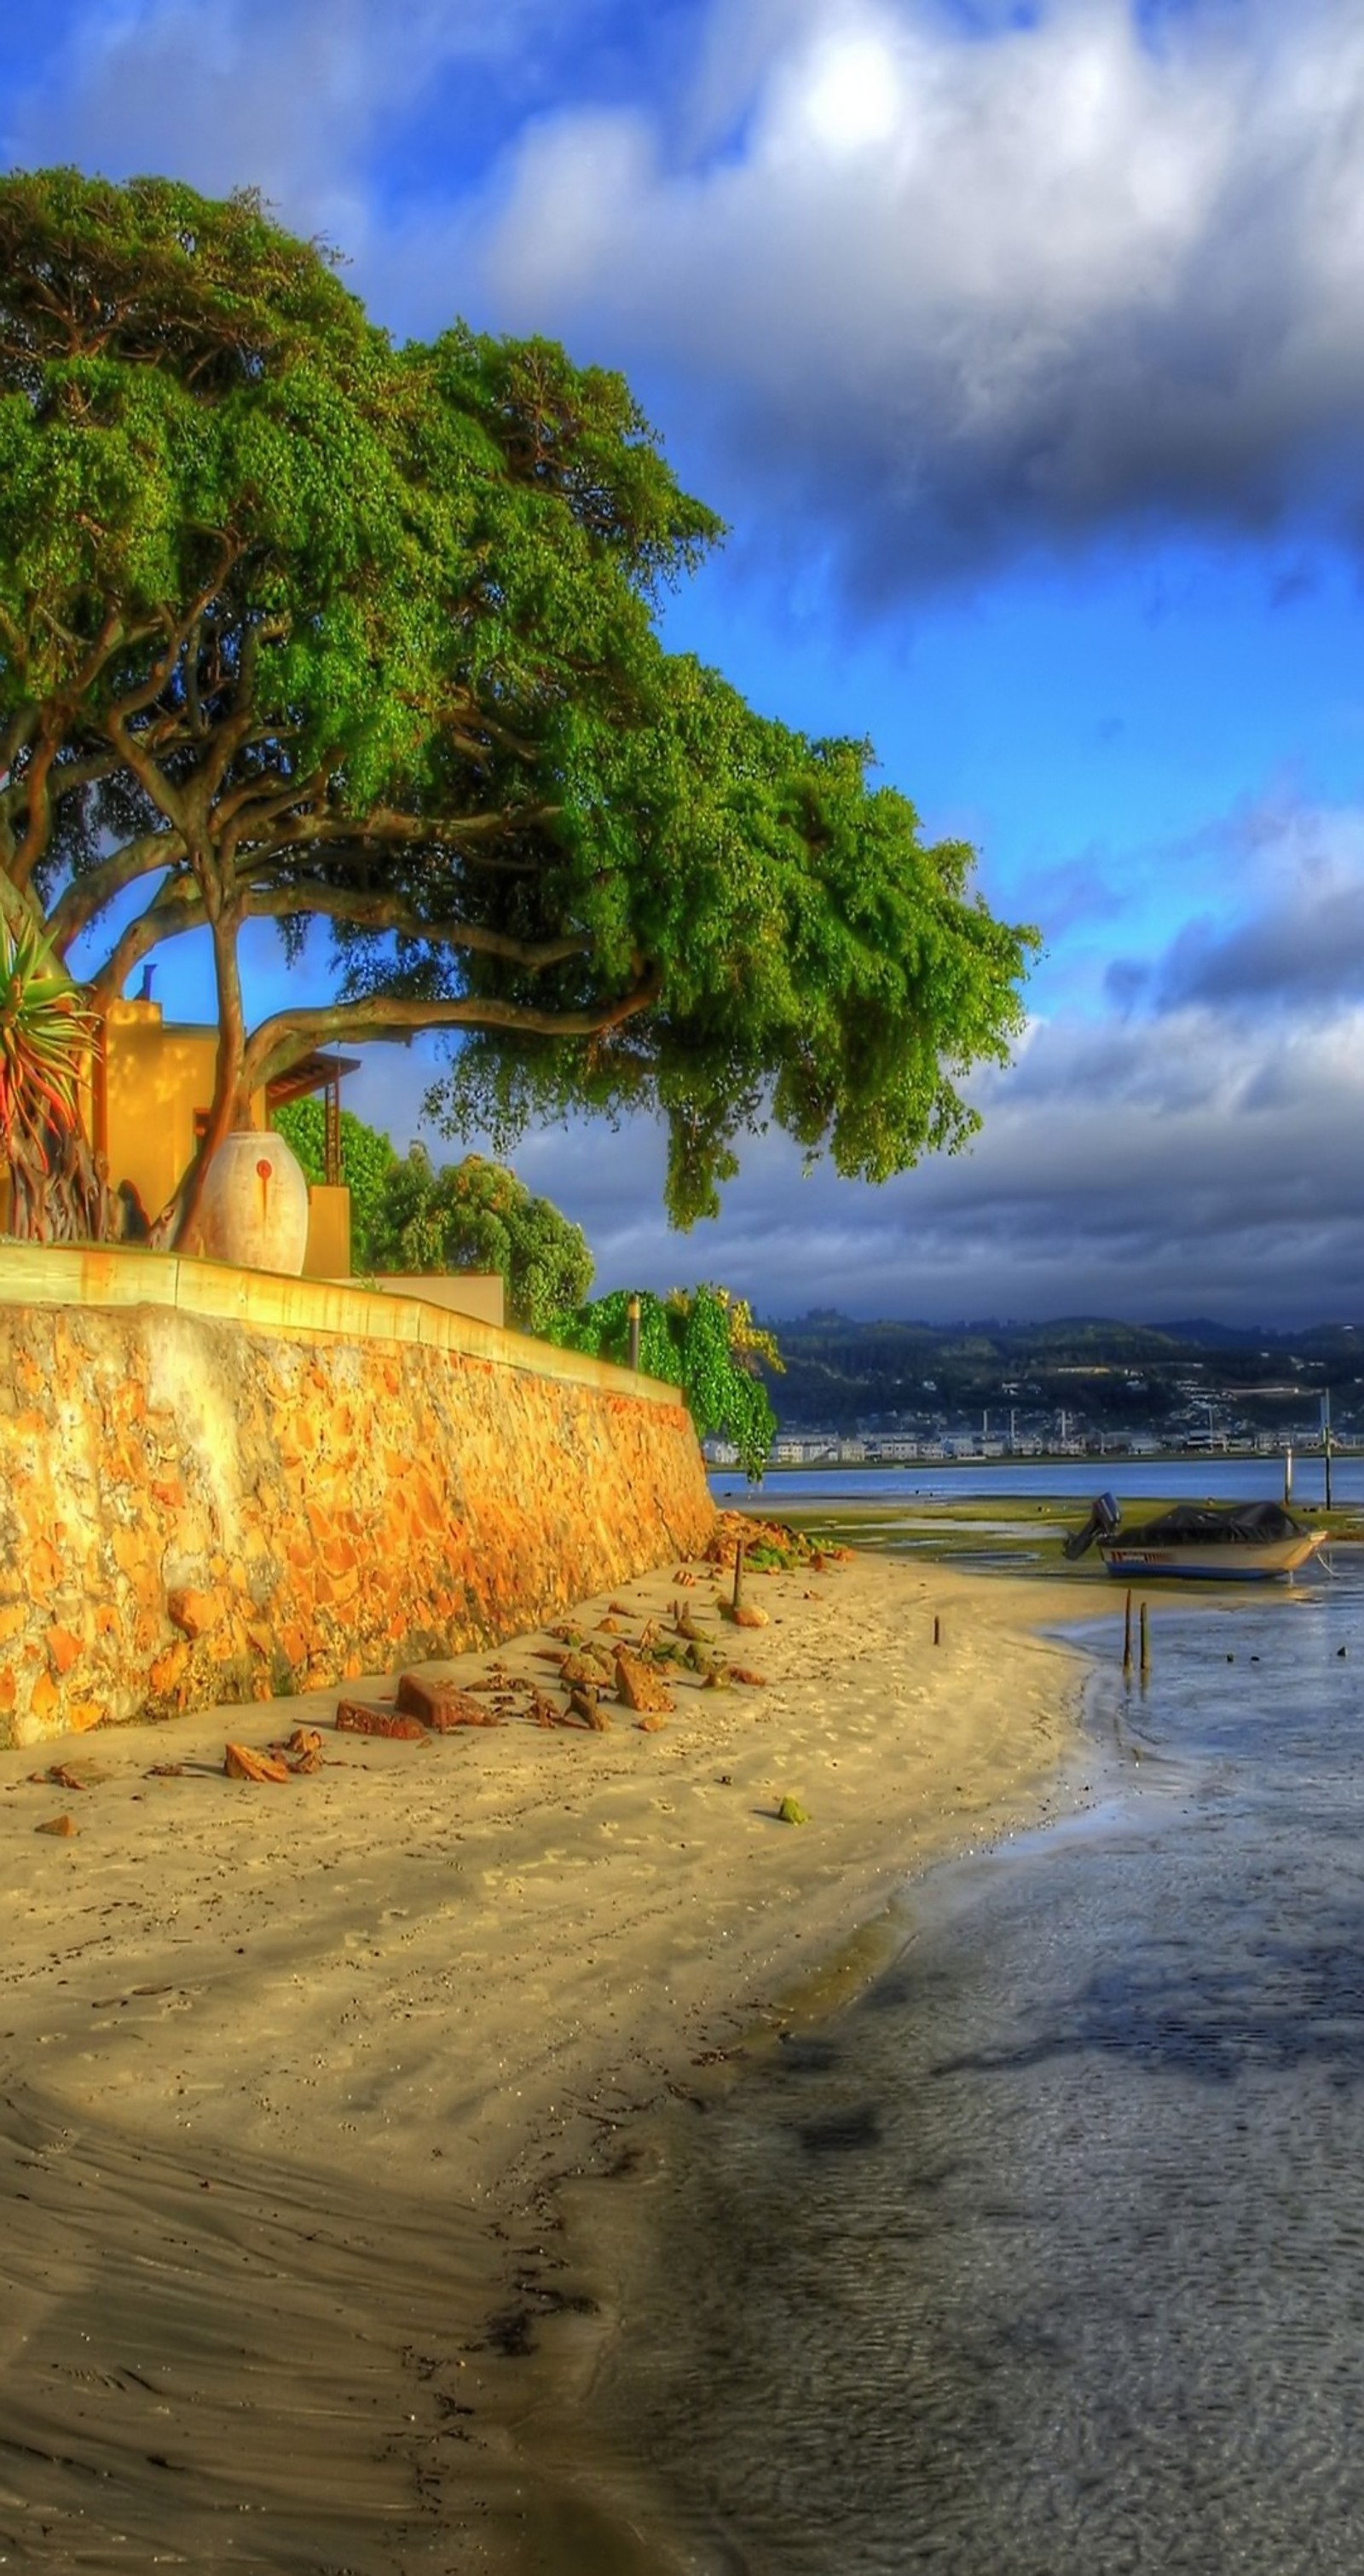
[[1200, 1333], [847, 1375]]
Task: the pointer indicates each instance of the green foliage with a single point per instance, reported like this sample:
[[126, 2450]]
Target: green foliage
[[602, 1331], [296, 624], [700, 1340], [476, 1215], [367, 1158], [473, 1215]]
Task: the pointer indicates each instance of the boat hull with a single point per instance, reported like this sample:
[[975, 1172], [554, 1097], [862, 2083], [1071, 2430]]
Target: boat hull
[[1222, 1561]]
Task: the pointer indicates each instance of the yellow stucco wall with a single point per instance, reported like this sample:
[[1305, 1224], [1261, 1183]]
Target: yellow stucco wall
[[158, 1073], [460, 1292], [159, 1076], [328, 1252]]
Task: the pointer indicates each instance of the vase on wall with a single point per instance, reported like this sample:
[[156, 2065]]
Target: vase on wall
[[254, 1211]]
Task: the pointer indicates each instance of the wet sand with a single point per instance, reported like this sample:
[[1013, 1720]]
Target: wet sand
[[291, 2073]]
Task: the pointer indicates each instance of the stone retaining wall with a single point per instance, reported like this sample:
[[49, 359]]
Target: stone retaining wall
[[195, 1509]]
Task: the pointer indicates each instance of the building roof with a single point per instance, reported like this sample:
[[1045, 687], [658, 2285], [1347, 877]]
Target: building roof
[[312, 1073]]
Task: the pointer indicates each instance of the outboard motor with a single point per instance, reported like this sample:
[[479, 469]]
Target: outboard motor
[[1104, 1517]]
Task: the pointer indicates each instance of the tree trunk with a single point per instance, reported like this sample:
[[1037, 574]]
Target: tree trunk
[[59, 1191], [230, 1107]]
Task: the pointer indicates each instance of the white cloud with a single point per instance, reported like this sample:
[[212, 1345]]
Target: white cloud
[[961, 296], [296, 97]]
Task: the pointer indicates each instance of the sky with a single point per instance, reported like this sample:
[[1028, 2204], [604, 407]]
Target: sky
[[1022, 349]]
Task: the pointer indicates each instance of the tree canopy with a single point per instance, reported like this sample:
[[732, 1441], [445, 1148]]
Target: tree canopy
[[301, 625], [476, 1215]]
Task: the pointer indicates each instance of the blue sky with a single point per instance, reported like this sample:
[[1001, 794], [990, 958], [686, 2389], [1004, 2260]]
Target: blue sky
[[1021, 347]]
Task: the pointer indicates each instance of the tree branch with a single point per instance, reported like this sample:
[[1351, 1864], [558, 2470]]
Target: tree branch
[[385, 825], [17, 912], [232, 732], [18, 734], [88, 894], [177, 907], [176, 631], [133, 749], [262, 800], [38, 803], [387, 912], [282, 1042], [69, 775]]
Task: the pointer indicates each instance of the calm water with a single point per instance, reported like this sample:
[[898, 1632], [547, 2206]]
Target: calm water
[[1230, 1479], [1048, 2256]]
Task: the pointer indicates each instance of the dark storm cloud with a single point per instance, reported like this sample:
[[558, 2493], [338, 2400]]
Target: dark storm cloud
[[1178, 1166], [954, 300], [1306, 955], [1289, 934]]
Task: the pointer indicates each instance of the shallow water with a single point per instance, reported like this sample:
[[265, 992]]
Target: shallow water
[[1048, 2255], [1233, 1480]]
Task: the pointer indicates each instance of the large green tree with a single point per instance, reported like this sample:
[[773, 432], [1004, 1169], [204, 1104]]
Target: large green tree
[[476, 1215], [296, 624]]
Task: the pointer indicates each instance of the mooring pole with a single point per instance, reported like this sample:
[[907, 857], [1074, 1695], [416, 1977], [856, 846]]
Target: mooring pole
[[1127, 1632], [1145, 1643], [1287, 1479]]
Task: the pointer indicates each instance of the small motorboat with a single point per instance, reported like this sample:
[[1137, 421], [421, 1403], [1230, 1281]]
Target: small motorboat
[[1207, 1542]]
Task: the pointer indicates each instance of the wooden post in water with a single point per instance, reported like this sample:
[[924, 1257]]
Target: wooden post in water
[[937, 1632], [1127, 1632], [1145, 1643], [1287, 1479]]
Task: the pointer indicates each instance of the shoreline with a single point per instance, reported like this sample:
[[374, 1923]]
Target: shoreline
[[427, 1985]]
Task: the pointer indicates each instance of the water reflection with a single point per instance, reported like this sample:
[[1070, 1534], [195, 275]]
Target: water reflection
[[1281, 2003], [1048, 2257]]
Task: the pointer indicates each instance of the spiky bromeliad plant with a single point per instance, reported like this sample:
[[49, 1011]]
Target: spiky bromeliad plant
[[46, 1028]]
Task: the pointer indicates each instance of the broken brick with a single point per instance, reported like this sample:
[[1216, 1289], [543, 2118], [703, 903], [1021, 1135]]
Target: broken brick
[[440, 1705], [360, 1717], [639, 1686], [242, 1762]]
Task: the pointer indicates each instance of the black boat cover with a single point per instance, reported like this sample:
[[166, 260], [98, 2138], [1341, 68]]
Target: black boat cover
[[1238, 1524]]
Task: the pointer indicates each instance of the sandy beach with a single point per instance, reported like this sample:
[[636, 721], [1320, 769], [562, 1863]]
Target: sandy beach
[[291, 2071]]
